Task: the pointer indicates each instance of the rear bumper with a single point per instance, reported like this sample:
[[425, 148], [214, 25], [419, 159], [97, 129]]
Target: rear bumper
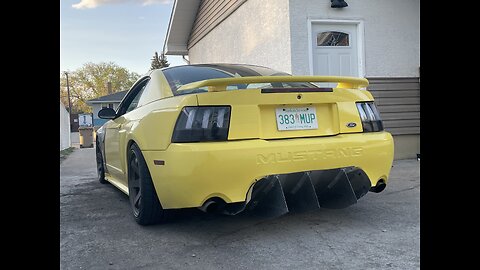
[[194, 172]]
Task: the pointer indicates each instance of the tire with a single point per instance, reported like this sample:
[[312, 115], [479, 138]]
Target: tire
[[146, 207], [100, 167]]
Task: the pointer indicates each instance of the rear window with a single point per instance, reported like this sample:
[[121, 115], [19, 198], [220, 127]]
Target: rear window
[[181, 75]]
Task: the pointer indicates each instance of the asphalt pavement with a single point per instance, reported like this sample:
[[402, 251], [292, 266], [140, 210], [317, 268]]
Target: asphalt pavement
[[97, 231]]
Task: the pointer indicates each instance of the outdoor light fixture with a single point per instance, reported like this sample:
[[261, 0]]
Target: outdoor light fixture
[[338, 4]]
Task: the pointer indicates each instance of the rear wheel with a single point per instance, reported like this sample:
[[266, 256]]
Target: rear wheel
[[100, 167], [144, 202]]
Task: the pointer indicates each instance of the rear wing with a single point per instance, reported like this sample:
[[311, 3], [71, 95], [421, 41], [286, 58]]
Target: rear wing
[[216, 85]]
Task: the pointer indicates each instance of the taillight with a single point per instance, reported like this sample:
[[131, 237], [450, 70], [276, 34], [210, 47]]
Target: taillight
[[202, 124], [371, 120]]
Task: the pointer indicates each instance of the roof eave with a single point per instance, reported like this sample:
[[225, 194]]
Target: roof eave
[[180, 25], [102, 101], [176, 49]]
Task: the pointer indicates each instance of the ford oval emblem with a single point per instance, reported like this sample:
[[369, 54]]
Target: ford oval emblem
[[351, 124]]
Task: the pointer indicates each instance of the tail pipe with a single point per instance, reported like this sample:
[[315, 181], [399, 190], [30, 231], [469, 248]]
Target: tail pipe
[[379, 187], [213, 205]]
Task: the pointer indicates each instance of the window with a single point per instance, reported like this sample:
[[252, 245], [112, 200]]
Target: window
[[181, 75], [134, 102], [104, 105], [130, 102], [333, 38]]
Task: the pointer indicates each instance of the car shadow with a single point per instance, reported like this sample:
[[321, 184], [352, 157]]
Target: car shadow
[[213, 227]]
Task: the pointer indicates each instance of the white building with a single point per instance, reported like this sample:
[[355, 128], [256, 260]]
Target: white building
[[64, 128], [376, 39]]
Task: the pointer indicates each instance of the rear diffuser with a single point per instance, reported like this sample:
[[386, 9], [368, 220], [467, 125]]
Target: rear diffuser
[[275, 195]]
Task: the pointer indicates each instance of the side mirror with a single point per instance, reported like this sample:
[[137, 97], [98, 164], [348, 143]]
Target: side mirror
[[107, 113]]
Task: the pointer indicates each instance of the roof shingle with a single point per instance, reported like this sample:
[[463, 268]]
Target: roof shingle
[[115, 97]]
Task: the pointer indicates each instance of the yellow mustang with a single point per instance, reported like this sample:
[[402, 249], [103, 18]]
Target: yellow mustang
[[226, 138]]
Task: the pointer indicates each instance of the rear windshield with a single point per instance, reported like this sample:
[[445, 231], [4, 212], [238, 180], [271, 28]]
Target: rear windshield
[[180, 75]]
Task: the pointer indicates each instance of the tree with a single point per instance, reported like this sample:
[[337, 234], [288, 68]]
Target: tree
[[159, 62], [90, 81], [163, 60]]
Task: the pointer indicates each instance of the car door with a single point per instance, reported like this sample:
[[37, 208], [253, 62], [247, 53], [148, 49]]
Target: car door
[[115, 133]]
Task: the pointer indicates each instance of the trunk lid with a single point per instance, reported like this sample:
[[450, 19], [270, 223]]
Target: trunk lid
[[280, 113]]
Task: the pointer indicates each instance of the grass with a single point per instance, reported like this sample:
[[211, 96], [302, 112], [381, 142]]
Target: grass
[[65, 152]]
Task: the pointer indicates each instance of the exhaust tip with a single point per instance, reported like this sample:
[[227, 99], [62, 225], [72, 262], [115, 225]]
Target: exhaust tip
[[213, 205], [379, 187]]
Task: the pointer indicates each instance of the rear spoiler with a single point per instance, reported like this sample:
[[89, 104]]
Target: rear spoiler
[[216, 85]]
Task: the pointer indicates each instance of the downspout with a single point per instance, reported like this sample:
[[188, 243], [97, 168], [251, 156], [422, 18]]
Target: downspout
[[185, 59]]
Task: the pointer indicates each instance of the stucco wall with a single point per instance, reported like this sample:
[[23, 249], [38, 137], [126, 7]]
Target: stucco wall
[[392, 33], [64, 128], [258, 32]]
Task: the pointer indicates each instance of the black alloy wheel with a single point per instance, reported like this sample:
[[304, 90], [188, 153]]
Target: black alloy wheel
[[146, 207]]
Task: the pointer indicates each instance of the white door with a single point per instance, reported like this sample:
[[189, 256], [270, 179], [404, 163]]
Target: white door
[[335, 49]]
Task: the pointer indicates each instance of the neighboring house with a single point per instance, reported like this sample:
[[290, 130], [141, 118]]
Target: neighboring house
[[379, 40], [110, 101], [64, 128]]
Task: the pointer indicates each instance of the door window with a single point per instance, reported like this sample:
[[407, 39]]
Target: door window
[[134, 102], [332, 38], [130, 102]]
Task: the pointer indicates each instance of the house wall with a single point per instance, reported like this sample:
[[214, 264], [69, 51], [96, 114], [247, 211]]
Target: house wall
[[398, 100], [275, 34], [391, 58], [210, 14], [258, 32], [64, 128], [391, 40]]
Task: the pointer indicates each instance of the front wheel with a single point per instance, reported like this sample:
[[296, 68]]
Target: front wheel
[[144, 202]]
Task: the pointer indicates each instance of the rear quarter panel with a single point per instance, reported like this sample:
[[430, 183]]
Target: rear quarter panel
[[154, 122]]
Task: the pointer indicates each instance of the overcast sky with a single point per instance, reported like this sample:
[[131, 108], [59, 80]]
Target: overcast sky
[[127, 32]]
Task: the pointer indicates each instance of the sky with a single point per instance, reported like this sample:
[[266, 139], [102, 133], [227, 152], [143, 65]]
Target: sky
[[127, 32]]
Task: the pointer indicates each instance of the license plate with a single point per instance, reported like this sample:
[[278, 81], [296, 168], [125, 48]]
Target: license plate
[[297, 118]]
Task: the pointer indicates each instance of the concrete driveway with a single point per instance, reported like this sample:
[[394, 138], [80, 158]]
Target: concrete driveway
[[381, 231]]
